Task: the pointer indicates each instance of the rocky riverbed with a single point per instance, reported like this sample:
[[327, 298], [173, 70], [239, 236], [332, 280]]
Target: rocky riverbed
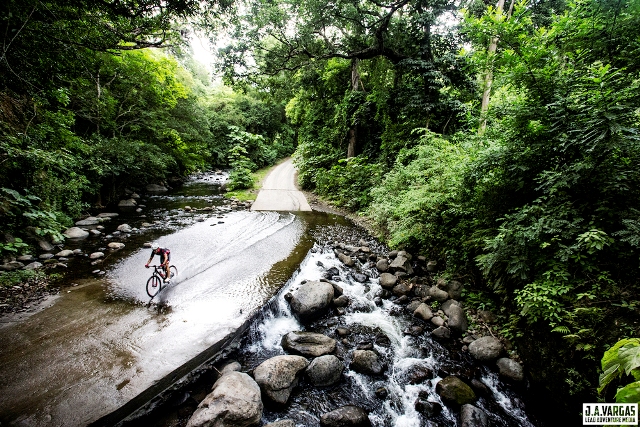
[[361, 336]]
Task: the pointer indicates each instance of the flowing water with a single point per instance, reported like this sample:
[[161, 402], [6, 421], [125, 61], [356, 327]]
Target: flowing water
[[100, 343], [385, 325]]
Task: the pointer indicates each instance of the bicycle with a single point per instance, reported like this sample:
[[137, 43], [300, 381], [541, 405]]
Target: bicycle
[[155, 282]]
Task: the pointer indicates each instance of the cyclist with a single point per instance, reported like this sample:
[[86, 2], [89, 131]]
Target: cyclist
[[165, 256]]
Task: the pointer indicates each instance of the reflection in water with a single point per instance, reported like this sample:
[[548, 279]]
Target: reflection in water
[[100, 345]]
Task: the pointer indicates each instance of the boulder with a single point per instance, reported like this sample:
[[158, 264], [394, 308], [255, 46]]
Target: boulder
[[10, 267], [76, 233], [341, 301], [413, 305], [96, 255], [346, 259], [454, 289], [382, 265], [125, 228], [447, 305], [416, 374], [471, 416], [127, 203], [26, 258], [343, 332], [87, 222], [308, 343], [454, 392], [360, 278], [115, 245], [231, 367], [279, 375], [311, 300], [480, 388], [234, 402], [486, 349], [426, 407], [401, 263], [432, 266], [403, 288], [337, 289], [457, 320], [510, 369], [388, 280], [33, 266], [423, 312], [46, 256], [65, 253], [438, 294], [48, 247], [346, 416], [441, 332], [333, 271], [437, 321], [108, 215], [366, 362], [155, 188], [421, 290], [325, 370]]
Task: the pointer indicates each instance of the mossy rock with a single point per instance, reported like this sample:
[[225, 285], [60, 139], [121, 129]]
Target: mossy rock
[[454, 392]]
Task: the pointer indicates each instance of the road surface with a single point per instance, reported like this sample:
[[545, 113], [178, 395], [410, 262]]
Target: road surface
[[279, 191]]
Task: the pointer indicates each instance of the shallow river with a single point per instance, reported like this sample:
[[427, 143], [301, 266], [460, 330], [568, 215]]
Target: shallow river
[[98, 344], [82, 355]]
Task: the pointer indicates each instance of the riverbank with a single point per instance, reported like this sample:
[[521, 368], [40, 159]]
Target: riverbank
[[396, 334]]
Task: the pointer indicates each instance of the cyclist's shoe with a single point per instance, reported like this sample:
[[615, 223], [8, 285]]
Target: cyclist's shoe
[[167, 281]]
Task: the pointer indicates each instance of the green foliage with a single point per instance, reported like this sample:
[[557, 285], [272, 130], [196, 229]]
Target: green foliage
[[478, 300], [240, 176], [13, 248], [19, 212], [620, 360], [348, 183], [416, 202], [12, 278]]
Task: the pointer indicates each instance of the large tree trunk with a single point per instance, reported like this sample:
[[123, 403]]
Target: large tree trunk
[[488, 78], [355, 86]]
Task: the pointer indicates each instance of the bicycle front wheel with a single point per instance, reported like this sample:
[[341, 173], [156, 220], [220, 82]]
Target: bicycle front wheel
[[153, 285], [174, 271]]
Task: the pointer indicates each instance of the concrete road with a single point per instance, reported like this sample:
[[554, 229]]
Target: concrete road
[[279, 191]]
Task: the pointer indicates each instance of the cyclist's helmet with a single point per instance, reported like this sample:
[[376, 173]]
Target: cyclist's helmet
[[155, 247]]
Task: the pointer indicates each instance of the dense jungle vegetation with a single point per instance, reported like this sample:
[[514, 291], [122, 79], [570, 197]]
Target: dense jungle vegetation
[[499, 139]]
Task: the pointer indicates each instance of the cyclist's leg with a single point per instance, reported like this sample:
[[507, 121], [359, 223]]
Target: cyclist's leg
[[166, 267]]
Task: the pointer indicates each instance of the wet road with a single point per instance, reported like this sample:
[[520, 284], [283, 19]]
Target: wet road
[[98, 344], [279, 191]]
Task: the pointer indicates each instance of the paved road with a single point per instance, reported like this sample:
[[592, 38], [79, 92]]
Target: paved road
[[279, 192]]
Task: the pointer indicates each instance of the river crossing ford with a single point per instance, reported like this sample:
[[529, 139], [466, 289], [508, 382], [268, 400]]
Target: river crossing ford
[[100, 345]]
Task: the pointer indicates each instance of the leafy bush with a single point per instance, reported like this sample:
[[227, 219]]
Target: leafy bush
[[12, 278], [349, 182], [619, 362], [417, 202], [240, 176]]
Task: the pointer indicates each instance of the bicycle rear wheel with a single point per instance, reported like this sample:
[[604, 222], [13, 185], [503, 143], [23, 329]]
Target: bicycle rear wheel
[[153, 285], [174, 271]]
